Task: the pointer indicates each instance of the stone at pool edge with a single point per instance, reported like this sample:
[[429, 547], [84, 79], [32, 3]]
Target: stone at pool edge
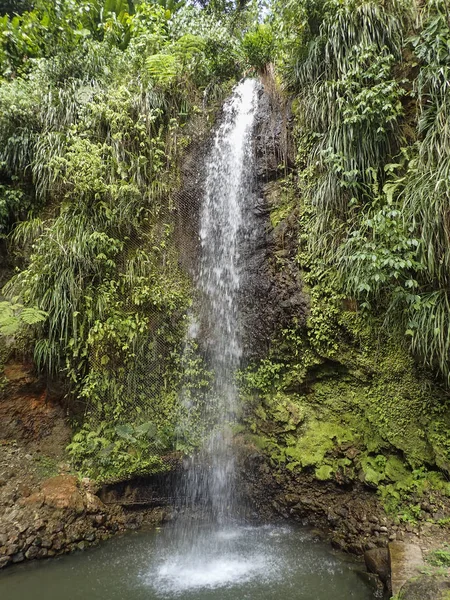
[[377, 562], [405, 561], [426, 587]]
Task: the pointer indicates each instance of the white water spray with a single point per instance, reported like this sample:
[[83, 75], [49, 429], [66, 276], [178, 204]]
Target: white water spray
[[204, 554], [225, 224]]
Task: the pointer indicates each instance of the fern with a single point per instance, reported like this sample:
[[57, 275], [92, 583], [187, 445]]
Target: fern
[[163, 68], [13, 315]]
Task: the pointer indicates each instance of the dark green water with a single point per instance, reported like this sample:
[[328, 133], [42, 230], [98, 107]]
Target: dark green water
[[240, 563]]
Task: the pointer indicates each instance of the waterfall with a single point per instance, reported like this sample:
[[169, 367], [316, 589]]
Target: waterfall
[[225, 227], [203, 546]]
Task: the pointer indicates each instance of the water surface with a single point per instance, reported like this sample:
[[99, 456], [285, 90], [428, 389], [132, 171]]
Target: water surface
[[239, 563]]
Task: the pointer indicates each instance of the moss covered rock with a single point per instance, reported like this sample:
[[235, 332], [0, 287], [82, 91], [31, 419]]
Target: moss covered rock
[[426, 587]]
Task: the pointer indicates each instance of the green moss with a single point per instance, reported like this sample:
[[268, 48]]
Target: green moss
[[373, 469], [439, 557], [316, 441], [395, 469], [324, 473], [46, 466]]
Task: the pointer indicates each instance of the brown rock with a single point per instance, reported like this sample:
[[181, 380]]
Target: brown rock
[[100, 520], [94, 504], [39, 524], [21, 527], [32, 552], [42, 553], [11, 549], [377, 561], [19, 557], [59, 492]]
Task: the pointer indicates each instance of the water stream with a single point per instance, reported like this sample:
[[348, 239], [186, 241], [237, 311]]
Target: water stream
[[225, 225], [217, 556]]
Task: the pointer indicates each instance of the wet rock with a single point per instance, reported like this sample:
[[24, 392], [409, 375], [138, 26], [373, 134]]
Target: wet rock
[[4, 561], [57, 527], [292, 499], [355, 548], [99, 520], [93, 503], [13, 538], [32, 552], [425, 587], [332, 518], [42, 553], [19, 557], [377, 562], [21, 527], [39, 524], [58, 544], [342, 512], [369, 546], [405, 561], [11, 549]]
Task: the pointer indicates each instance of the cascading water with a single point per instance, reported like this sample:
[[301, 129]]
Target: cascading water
[[224, 227], [210, 547], [208, 490]]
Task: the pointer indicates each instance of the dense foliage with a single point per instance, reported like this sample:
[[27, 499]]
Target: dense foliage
[[360, 394], [371, 80], [96, 103], [99, 99]]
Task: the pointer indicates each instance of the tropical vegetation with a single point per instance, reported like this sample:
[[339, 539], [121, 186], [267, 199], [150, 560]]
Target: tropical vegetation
[[100, 100]]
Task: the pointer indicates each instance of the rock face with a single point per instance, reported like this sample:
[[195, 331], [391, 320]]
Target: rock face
[[271, 297], [44, 510], [59, 517], [377, 562], [426, 587], [351, 516], [405, 561], [268, 298]]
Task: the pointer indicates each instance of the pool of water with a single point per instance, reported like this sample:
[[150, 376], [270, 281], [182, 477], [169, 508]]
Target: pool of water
[[234, 563]]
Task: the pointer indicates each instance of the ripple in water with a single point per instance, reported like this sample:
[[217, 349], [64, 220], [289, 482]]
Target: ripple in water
[[240, 558], [233, 563], [225, 560]]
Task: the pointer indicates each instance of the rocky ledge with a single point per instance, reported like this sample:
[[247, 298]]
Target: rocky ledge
[[45, 510], [58, 516]]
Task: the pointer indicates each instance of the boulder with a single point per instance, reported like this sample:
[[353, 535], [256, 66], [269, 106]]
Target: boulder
[[59, 492], [377, 561], [405, 561], [426, 587]]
